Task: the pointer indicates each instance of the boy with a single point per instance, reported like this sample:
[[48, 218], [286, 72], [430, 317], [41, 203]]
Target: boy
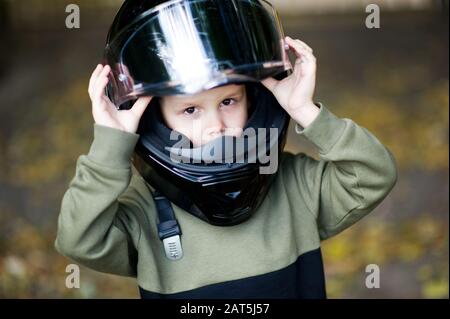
[[108, 215]]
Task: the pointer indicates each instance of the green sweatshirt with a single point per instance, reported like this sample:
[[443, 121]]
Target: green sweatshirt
[[108, 220]]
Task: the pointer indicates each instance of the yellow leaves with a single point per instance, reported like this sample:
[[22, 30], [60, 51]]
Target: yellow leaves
[[338, 249], [338, 255], [374, 241], [418, 139], [335, 287], [436, 100], [45, 152], [409, 251], [406, 108], [424, 272], [434, 281], [436, 289], [430, 230], [31, 268]]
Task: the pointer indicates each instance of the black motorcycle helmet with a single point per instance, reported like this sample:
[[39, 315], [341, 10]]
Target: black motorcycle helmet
[[160, 48]]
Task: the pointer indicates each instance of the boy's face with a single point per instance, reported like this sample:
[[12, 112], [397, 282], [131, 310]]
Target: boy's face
[[207, 115]]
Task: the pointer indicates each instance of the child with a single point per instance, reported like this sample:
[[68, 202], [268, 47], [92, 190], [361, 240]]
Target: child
[[108, 218]]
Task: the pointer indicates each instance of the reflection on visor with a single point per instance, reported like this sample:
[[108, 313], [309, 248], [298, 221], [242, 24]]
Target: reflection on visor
[[184, 47], [181, 38]]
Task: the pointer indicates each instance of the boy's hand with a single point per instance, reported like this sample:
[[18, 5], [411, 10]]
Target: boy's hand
[[104, 111], [295, 92]]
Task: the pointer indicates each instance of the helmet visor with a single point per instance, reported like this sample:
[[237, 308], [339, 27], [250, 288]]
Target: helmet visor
[[185, 47]]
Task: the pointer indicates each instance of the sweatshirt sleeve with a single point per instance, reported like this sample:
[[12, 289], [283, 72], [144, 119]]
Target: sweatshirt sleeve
[[97, 224], [354, 174]]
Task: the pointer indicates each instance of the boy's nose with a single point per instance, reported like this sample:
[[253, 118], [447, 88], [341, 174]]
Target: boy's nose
[[215, 126]]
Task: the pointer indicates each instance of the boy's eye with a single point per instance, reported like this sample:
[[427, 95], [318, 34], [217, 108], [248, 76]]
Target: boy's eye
[[190, 110], [228, 102]]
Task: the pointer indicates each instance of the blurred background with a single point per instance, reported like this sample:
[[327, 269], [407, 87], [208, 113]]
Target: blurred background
[[393, 81]]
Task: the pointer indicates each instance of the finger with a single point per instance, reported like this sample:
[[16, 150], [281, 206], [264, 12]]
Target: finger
[[305, 65], [104, 73], [101, 82], [100, 85], [299, 42], [270, 83], [299, 48], [141, 105], [94, 77], [99, 93], [305, 45], [303, 55], [306, 56], [286, 45], [295, 47]]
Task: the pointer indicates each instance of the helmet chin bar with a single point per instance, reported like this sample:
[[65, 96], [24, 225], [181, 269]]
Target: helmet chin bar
[[223, 203]]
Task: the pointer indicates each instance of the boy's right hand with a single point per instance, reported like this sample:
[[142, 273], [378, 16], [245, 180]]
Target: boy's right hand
[[104, 111]]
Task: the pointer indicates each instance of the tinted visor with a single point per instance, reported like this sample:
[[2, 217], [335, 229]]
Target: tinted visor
[[185, 47]]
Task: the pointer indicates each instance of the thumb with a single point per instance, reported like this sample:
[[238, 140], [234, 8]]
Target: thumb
[[141, 105], [270, 83]]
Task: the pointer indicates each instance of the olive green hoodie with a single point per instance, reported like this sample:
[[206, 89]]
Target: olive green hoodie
[[108, 220]]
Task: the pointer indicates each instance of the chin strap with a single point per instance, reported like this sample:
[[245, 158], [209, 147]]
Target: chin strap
[[168, 229]]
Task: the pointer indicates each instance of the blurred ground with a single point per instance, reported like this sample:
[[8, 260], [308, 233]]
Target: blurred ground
[[393, 81]]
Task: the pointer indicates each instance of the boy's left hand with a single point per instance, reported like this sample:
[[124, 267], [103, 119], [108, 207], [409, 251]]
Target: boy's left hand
[[295, 92]]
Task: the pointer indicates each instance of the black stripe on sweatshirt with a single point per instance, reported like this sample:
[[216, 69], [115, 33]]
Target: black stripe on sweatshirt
[[304, 279]]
